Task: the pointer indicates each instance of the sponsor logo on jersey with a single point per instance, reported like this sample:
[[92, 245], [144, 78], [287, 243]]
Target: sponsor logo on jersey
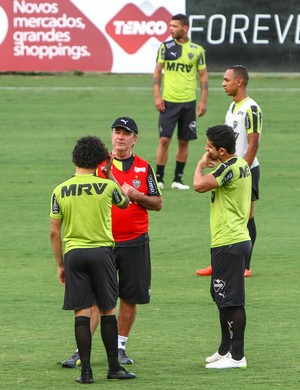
[[55, 206], [245, 171], [176, 66], [79, 189], [170, 44], [139, 169], [152, 188], [131, 28], [227, 177]]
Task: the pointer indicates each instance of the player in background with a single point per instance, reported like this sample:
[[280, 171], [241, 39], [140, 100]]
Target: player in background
[[182, 62], [87, 268], [245, 117], [130, 232], [230, 186]]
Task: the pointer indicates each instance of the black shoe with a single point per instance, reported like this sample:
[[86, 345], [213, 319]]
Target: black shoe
[[73, 361], [121, 374], [86, 376], [123, 358]]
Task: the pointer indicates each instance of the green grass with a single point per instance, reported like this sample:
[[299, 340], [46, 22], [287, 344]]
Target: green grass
[[41, 117]]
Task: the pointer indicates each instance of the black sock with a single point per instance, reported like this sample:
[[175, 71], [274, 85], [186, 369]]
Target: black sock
[[84, 340], [160, 171], [252, 232], [109, 334], [225, 340], [236, 319], [179, 171]]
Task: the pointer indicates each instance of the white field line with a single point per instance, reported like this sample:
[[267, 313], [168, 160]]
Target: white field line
[[49, 89]]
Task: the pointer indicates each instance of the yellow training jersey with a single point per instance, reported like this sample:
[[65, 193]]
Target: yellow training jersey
[[182, 61], [230, 203], [84, 203]]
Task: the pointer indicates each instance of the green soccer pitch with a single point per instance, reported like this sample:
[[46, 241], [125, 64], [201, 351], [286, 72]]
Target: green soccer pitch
[[41, 117]]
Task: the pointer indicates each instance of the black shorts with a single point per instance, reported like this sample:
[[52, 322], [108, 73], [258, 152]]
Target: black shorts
[[91, 277], [255, 172], [227, 282], [134, 269], [181, 114]]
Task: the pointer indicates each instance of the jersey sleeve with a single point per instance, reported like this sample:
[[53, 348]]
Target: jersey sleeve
[[202, 59], [253, 120], [55, 211], [225, 173], [161, 54], [117, 197], [153, 189]]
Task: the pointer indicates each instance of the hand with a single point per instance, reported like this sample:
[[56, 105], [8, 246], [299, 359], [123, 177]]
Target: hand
[[201, 109], [61, 275], [130, 191], [206, 161], [107, 167], [160, 104]]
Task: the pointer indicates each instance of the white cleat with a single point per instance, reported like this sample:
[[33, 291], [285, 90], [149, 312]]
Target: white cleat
[[179, 186], [216, 356], [160, 185], [228, 362]]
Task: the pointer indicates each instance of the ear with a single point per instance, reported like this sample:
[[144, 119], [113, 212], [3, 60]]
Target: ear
[[186, 28], [222, 151], [240, 81]]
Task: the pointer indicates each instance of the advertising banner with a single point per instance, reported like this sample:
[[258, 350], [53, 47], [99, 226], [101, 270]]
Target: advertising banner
[[263, 35], [86, 35], [121, 36]]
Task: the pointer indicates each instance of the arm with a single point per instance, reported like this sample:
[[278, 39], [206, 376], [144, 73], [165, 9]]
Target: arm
[[146, 201], [253, 144], [159, 103], [203, 79], [56, 242], [204, 183]]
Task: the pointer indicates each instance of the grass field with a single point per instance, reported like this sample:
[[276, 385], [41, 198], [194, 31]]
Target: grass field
[[41, 117]]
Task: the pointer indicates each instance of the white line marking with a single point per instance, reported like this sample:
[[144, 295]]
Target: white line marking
[[37, 89]]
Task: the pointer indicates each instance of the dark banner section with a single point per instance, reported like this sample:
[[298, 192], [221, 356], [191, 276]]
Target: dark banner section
[[263, 35]]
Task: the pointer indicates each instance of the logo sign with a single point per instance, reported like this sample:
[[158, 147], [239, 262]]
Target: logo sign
[[262, 35], [50, 36], [218, 284], [90, 36], [131, 28]]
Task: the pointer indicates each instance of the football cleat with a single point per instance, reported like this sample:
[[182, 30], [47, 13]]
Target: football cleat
[[161, 185], [121, 374], [204, 271], [216, 356], [247, 273], [179, 186], [73, 361], [123, 358], [228, 362]]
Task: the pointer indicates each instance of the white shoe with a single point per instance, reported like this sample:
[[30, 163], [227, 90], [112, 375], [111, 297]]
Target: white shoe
[[216, 356], [179, 186], [228, 362], [160, 185]]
